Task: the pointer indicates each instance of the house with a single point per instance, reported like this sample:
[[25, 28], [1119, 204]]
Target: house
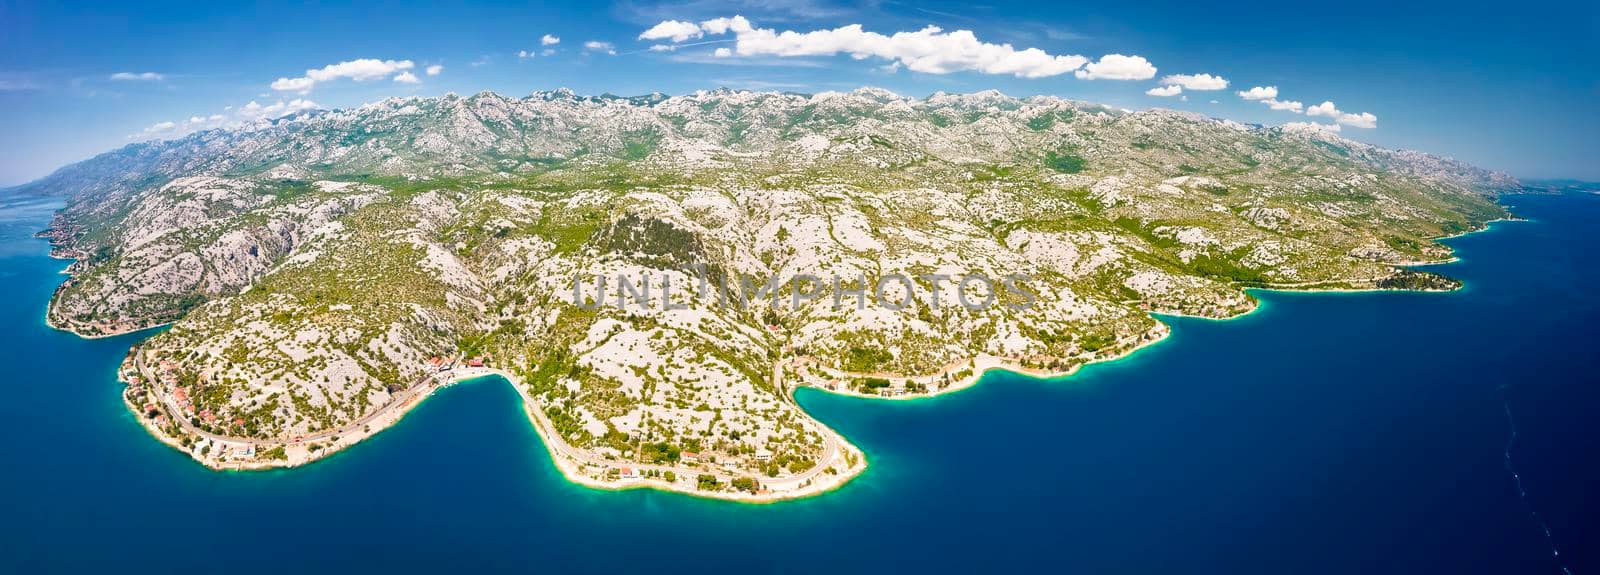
[[763, 454], [436, 361], [689, 457], [630, 473], [475, 362]]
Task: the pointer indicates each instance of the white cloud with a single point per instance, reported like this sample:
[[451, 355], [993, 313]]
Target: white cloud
[[293, 84], [1260, 93], [1198, 82], [1269, 95], [1324, 109], [1118, 67], [407, 78], [254, 111], [929, 50], [434, 70], [1289, 105], [1165, 91], [524, 54], [662, 48], [547, 52], [598, 46], [1363, 120], [138, 76], [549, 40], [246, 114], [160, 127], [677, 30], [359, 70]]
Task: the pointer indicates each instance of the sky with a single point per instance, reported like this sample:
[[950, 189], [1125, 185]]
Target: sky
[[1510, 87]]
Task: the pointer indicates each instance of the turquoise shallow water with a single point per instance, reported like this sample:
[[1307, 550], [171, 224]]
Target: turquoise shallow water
[[1331, 433]]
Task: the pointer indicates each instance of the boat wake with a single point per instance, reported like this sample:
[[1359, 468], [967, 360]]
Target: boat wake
[[1522, 493]]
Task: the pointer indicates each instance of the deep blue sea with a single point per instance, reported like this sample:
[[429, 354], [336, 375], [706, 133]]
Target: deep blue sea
[[1325, 433]]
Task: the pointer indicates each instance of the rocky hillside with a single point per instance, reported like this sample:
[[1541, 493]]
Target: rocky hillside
[[311, 265]]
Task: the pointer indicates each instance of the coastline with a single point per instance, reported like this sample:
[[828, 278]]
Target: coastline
[[587, 470], [845, 460]]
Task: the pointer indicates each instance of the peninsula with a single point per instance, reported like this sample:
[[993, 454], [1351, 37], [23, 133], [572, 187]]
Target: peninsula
[[321, 274]]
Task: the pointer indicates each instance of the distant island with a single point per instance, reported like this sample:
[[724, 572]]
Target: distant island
[[323, 273]]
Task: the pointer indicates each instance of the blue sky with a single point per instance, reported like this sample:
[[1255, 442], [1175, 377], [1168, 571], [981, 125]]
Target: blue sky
[[1513, 88]]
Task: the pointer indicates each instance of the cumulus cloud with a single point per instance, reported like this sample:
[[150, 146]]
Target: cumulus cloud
[[407, 78], [434, 70], [1165, 91], [549, 40], [138, 76], [1361, 120], [1269, 95], [255, 111], [1287, 105], [1323, 109], [301, 85], [160, 127], [1198, 82], [676, 30], [1260, 93], [598, 46], [245, 114], [359, 70], [929, 50], [1118, 67]]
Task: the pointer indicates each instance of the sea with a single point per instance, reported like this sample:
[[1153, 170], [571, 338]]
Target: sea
[[1339, 433]]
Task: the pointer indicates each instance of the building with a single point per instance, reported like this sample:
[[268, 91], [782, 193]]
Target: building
[[763, 454]]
